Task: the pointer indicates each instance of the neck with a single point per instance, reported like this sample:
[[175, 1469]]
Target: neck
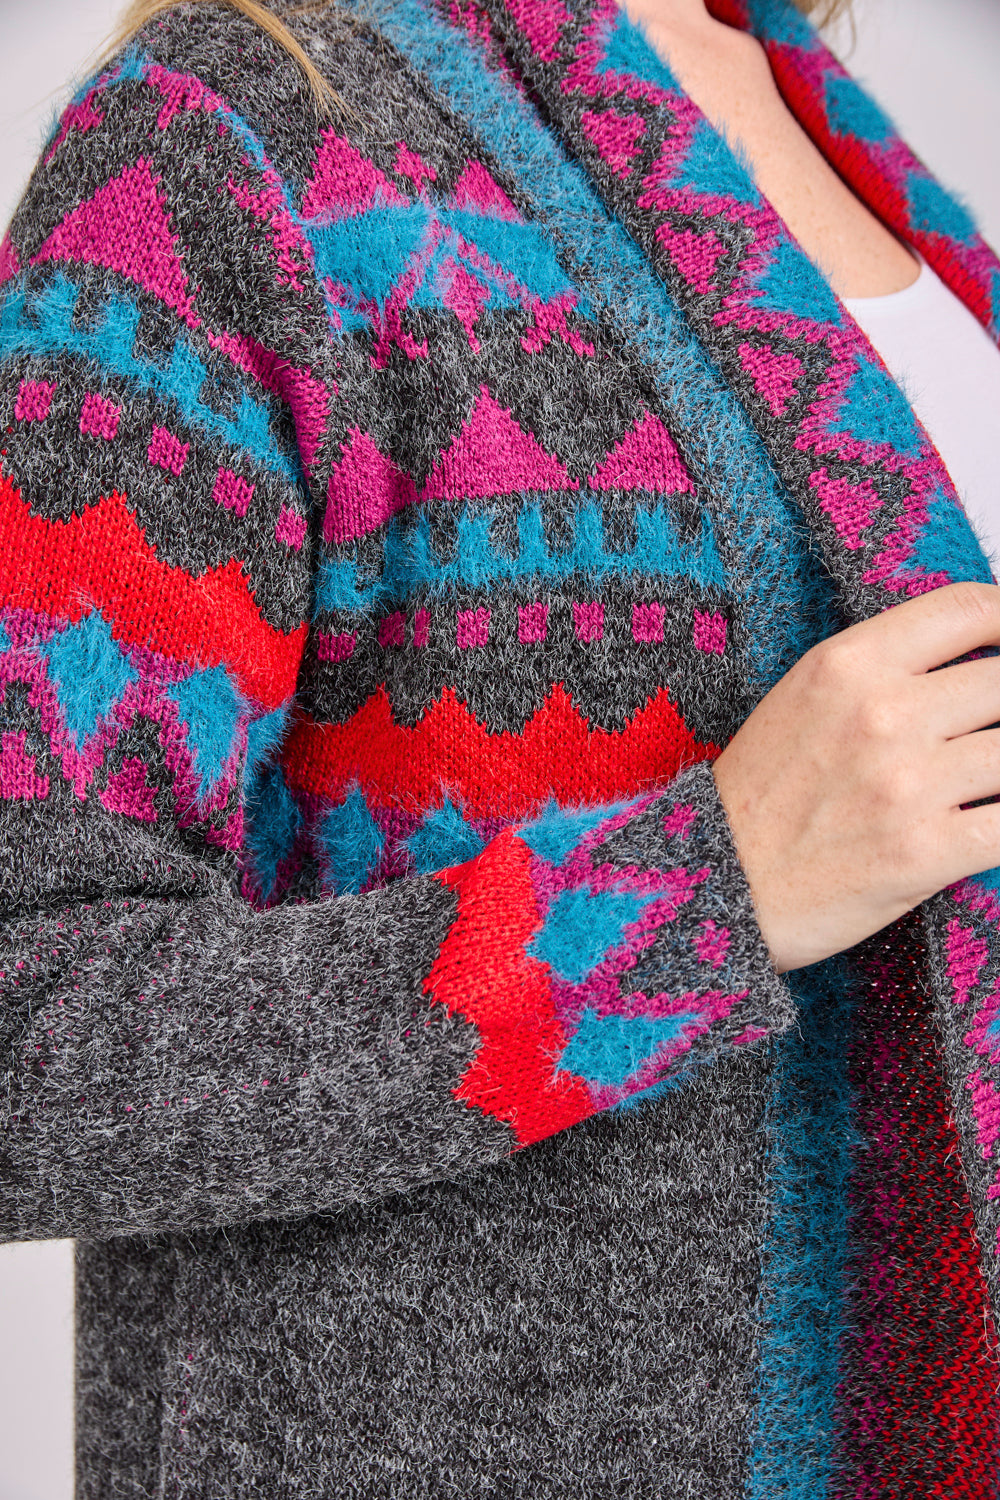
[[690, 18]]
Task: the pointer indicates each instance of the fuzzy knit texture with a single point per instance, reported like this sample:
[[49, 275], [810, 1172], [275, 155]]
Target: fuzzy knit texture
[[399, 511]]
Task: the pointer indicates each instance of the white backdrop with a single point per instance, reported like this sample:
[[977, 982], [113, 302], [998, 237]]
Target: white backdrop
[[933, 64]]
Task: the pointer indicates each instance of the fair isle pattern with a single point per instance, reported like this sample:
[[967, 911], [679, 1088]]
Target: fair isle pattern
[[154, 640], [89, 696], [394, 555], [837, 428], [860, 140], [519, 538], [842, 437], [577, 975], [947, 254], [510, 498]]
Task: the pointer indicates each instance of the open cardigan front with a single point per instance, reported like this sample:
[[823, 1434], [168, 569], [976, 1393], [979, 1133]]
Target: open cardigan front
[[398, 512]]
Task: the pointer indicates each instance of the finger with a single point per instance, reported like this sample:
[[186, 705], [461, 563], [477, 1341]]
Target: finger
[[968, 769], [962, 698], [935, 628], [973, 843]]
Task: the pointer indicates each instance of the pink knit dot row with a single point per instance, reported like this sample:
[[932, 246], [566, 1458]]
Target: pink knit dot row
[[100, 417], [473, 626], [235, 493]]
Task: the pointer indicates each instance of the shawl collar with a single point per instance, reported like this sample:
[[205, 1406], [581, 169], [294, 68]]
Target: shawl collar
[[839, 433], [838, 430]]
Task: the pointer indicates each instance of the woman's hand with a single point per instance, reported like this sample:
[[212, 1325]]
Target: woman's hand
[[844, 788]]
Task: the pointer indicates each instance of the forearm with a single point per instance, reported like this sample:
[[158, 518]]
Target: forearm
[[183, 1063]]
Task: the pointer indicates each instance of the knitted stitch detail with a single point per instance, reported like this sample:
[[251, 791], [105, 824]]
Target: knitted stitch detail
[[267, 633], [880, 498], [918, 1397], [814, 1140], [619, 281], [745, 284], [199, 672]]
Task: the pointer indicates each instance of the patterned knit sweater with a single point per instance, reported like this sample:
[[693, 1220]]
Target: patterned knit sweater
[[399, 511]]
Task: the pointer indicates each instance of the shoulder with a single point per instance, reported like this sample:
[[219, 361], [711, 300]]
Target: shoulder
[[252, 78], [199, 75], [196, 145]]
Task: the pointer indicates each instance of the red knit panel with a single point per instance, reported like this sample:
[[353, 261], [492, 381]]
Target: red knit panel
[[918, 1398], [557, 754], [102, 558], [483, 972]]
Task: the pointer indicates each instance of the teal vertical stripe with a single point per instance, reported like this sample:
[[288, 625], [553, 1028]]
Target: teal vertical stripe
[[805, 1265]]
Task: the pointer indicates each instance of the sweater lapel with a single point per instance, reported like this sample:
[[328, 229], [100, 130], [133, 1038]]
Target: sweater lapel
[[839, 432]]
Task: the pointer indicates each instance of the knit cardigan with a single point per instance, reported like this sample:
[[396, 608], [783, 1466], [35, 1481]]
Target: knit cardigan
[[399, 510]]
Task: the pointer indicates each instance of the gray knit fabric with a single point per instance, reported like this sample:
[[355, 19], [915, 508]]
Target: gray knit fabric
[[382, 1002], [577, 1322], [395, 1321]]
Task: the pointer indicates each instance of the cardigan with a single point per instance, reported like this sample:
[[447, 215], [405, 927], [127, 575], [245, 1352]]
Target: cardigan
[[949, 367], [400, 510]]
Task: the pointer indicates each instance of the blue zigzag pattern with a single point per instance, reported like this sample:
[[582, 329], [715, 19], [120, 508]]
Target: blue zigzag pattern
[[91, 672]]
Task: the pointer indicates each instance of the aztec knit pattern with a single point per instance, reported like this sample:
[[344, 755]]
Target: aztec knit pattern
[[917, 1306], [398, 513]]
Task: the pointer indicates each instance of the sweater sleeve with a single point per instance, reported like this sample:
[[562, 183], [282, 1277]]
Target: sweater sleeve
[[173, 1056]]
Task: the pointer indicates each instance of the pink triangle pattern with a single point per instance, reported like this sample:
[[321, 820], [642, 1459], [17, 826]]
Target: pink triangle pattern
[[18, 781], [645, 459], [849, 506], [982, 1036], [463, 295], [365, 489], [615, 135], [181, 91], [9, 263], [492, 455], [345, 183], [541, 24], [476, 189], [774, 375], [125, 227], [967, 953], [128, 792], [695, 255], [412, 165]]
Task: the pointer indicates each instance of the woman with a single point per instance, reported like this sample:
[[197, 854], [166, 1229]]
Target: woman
[[404, 506]]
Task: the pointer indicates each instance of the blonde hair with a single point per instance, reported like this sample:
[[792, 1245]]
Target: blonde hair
[[139, 12], [824, 11]]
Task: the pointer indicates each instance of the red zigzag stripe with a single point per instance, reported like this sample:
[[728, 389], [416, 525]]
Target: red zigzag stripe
[[483, 973], [557, 754], [102, 559]]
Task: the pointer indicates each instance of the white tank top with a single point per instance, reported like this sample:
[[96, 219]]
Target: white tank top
[[949, 368]]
